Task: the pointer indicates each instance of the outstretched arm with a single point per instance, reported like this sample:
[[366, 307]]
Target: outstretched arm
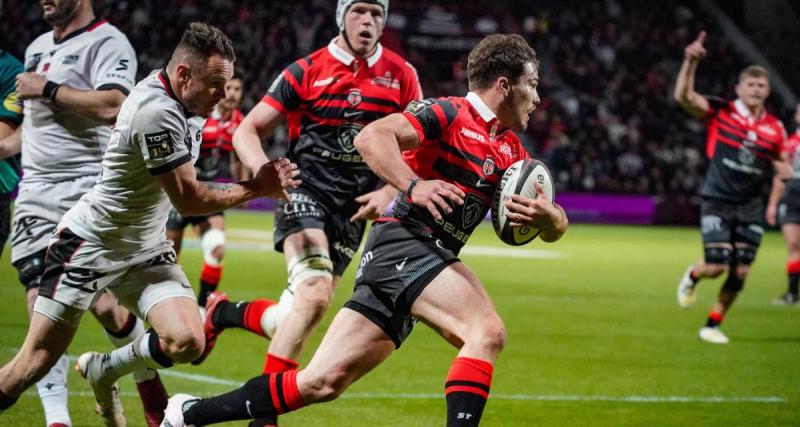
[[695, 104], [192, 197]]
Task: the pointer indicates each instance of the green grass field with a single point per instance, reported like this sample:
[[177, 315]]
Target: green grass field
[[595, 339]]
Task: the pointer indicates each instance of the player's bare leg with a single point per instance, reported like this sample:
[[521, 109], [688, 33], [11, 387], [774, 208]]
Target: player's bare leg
[[44, 345], [478, 333], [687, 287], [311, 296]]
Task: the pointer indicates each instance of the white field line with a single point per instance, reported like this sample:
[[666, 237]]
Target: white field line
[[206, 379], [259, 240]]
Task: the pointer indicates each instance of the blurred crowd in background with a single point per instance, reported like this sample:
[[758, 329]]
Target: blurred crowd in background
[[607, 122]]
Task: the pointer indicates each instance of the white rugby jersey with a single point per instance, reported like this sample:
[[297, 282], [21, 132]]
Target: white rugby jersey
[[59, 144], [126, 211]]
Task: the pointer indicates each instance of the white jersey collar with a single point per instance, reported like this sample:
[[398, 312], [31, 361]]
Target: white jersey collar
[[346, 58], [745, 112], [486, 113]]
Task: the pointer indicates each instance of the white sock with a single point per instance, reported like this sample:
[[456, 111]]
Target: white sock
[[274, 315], [136, 332], [136, 356], [53, 393]]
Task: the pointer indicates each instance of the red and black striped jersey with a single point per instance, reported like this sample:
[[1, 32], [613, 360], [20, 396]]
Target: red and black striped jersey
[[741, 149], [217, 143], [461, 143], [327, 98]]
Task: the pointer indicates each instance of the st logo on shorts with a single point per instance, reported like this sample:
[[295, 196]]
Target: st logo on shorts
[[159, 144]]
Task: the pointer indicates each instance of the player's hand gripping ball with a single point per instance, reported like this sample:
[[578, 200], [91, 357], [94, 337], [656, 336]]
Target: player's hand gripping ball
[[519, 179]]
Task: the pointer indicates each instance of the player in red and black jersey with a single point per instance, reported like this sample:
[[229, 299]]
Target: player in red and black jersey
[[455, 149], [216, 147], [744, 146], [326, 98], [784, 209]]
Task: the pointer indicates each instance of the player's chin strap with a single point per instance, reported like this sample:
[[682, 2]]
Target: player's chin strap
[[343, 33]]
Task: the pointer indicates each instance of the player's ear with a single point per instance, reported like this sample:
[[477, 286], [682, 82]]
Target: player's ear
[[504, 85], [182, 72]]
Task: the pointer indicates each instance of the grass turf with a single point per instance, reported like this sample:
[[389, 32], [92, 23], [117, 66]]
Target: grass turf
[[595, 338]]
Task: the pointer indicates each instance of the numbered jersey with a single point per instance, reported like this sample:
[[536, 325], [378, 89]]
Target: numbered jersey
[[217, 143], [461, 143], [57, 143], [127, 209], [741, 149], [328, 97]]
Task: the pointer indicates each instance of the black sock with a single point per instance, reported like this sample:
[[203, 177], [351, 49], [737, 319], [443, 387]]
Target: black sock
[[252, 400], [464, 409], [156, 352], [794, 278], [230, 314], [205, 289], [6, 401]]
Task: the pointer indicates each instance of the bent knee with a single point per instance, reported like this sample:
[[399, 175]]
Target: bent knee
[[184, 347], [716, 270], [314, 296], [491, 335]]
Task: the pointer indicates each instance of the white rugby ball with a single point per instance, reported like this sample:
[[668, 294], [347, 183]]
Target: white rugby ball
[[519, 179]]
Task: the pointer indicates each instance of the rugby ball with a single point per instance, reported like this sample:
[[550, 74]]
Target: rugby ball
[[519, 178]]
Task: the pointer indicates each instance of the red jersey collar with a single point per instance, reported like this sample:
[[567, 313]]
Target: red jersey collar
[[346, 58], [164, 79]]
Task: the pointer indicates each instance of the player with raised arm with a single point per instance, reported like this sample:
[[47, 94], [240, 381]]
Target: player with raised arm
[[216, 147], [453, 147], [784, 209], [74, 81], [326, 97], [744, 143], [114, 237]]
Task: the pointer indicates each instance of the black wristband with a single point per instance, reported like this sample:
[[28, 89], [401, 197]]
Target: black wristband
[[50, 90], [412, 182]]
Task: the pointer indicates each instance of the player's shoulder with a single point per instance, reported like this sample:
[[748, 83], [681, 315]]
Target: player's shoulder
[[394, 58], [40, 42], [105, 31], [153, 103]]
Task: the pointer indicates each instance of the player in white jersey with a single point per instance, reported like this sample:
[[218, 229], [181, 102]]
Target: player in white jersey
[[114, 237], [76, 77]]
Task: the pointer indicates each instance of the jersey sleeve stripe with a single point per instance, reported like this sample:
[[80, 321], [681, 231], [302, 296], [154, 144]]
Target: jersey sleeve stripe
[[297, 72], [171, 165], [449, 110], [415, 124], [274, 103], [468, 157], [110, 86]]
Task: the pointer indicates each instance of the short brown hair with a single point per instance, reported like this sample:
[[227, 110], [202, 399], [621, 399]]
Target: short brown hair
[[498, 55], [205, 40], [753, 71]]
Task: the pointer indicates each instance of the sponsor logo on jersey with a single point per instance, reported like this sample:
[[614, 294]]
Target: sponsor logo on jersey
[[488, 166], [473, 207], [471, 134], [159, 144], [349, 252], [386, 81], [354, 97], [506, 149], [323, 82], [70, 59], [33, 62], [746, 156], [767, 129], [347, 134]]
